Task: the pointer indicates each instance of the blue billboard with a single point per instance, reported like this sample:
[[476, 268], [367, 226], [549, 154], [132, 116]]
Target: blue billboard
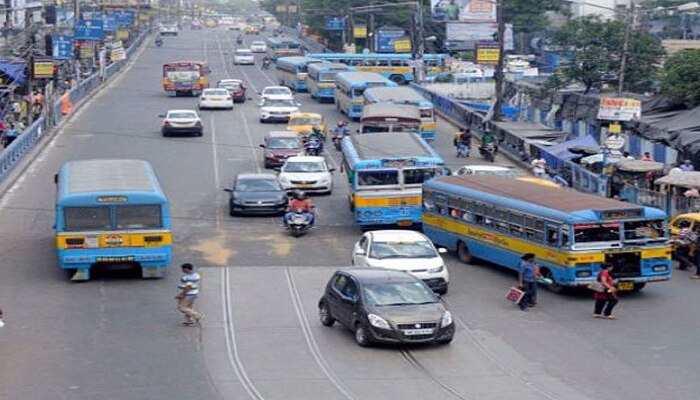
[[109, 23], [335, 23], [89, 30], [384, 39], [124, 17], [61, 47]]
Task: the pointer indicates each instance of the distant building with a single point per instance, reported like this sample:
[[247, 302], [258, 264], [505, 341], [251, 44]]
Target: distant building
[[607, 9]]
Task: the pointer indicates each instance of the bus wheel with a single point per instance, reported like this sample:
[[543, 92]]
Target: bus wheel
[[554, 287], [351, 204], [398, 79], [639, 286], [463, 253]]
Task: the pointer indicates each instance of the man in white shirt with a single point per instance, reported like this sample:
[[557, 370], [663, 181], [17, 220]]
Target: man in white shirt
[[539, 166]]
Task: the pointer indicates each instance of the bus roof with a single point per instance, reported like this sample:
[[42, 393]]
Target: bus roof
[[377, 146], [107, 176], [398, 94], [406, 56], [382, 110], [504, 190], [298, 60], [359, 76], [184, 63], [332, 66]]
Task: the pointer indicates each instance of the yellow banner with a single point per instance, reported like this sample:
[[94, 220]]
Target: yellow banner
[[402, 46], [487, 56], [122, 33], [359, 32], [43, 69]]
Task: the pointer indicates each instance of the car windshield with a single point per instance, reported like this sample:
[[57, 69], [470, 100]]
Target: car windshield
[[305, 121], [257, 44], [398, 294], [590, 233], [304, 166], [230, 85], [182, 115], [276, 91], [283, 143], [645, 230], [398, 249], [257, 185], [279, 103], [243, 52], [215, 93]]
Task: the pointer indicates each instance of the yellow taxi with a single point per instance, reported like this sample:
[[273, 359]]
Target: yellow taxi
[[303, 123], [675, 225], [251, 29], [538, 181]]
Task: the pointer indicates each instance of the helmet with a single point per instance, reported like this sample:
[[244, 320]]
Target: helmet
[[341, 123], [316, 129], [300, 195]]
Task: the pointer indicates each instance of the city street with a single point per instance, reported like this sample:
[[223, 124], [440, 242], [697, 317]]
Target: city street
[[119, 337]]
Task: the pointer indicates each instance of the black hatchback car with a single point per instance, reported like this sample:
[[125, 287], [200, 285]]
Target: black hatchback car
[[382, 305], [256, 194]]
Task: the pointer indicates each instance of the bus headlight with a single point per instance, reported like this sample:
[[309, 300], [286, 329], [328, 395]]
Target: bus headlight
[[659, 268], [584, 274]]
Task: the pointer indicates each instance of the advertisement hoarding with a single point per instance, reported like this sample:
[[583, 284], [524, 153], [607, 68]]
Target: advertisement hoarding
[[61, 47], [465, 36], [335, 23], [384, 39], [463, 10], [43, 67], [359, 31], [89, 30], [619, 109]]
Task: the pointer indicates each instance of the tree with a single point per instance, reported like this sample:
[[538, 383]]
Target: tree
[[681, 78], [531, 15], [596, 47]]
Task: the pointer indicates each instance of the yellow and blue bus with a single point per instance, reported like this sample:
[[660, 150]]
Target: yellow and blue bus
[[406, 95], [321, 79], [395, 66], [277, 48], [390, 118], [114, 213], [385, 173], [498, 219], [292, 72], [349, 88]]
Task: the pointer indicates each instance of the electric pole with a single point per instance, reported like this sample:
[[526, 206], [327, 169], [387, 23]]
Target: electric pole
[[630, 21], [499, 75]]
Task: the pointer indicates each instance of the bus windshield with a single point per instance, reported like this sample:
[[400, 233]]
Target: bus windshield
[[326, 76], [188, 73], [378, 177], [652, 230], [418, 175], [591, 233]]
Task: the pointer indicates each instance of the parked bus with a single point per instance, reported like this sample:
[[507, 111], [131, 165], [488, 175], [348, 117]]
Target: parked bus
[[321, 79], [390, 118], [395, 66], [349, 87], [406, 95], [185, 78], [292, 72], [111, 212], [385, 172], [498, 219], [277, 48]]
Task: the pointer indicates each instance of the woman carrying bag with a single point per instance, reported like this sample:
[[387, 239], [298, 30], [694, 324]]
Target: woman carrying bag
[[606, 298]]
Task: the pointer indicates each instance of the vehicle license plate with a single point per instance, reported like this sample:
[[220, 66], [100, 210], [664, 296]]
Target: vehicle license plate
[[410, 332], [304, 185], [216, 99], [625, 286], [405, 223], [115, 259]]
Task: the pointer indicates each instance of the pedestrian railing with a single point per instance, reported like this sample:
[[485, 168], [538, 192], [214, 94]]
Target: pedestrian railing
[[13, 154]]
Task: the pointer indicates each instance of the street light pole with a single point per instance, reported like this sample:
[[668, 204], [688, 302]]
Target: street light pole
[[499, 75], [630, 17]]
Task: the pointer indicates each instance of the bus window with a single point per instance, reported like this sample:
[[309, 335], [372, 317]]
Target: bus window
[[552, 235], [377, 178], [358, 92], [355, 63], [590, 233], [370, 63], [383, 63], [87, 218], [426, 113], [142, 216], [417, 176]]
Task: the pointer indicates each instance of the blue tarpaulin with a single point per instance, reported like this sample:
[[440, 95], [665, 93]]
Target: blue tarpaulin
[[15, 70], [554, 155]]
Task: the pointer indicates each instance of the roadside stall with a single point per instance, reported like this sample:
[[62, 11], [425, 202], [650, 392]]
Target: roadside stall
[[635, 180], [682, 192]]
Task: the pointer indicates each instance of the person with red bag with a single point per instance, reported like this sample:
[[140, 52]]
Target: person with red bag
[[606, 299]]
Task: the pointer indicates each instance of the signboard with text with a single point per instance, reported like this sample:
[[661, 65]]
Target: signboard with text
[[359, 31], [61, 47], [465, 36], [384, 39], [89, 30], [42, 67], [335, 23], [487, 54], [463, 10], [619, 109]]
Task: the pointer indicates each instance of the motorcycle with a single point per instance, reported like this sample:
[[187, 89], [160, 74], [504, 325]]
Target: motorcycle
[[159, 42], [337, 138], [488, 151], [314, 147], [299, 222], [239, 41], [266, 63], [462, 150]]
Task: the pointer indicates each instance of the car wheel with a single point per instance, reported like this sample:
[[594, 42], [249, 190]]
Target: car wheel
[[554, 287], [200, 133], [231, 212], [324, 315], [362, 336], [166, 134], [443, 291]]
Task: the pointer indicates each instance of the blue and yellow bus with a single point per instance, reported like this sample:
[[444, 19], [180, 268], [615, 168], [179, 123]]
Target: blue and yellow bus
[[111, 212], [406, 95], [277, 48], [498, 219], [321, 79], [292, 72], [385, 173], [349, 88], [396, 66]]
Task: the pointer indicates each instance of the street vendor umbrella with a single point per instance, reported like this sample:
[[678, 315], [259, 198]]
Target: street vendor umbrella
[[690, 179]]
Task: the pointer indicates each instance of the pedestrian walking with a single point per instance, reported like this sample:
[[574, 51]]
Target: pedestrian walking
[[683, 244], [188, 293], [606, 300], [527, 280]]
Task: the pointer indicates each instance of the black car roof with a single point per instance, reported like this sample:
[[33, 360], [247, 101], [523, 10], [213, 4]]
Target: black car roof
[[378, 275]]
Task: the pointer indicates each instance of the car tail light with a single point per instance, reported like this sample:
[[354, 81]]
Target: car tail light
[[198, 123], [166, 123], [228, 97], [202, 98], [239, 92]]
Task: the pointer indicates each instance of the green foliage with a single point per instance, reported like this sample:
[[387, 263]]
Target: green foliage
[[597, 53], [530, 15], [681, 78]]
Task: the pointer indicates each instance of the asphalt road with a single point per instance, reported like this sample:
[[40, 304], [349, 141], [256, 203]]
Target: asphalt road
[[119, 337]]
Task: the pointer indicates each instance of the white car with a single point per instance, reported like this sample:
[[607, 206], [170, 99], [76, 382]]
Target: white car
[[407, 251], [310, 174], [277, 110], [277, 93], [486, 170], [258, 47], [169, 29], [215, 98], [181, 122], [243, 57]]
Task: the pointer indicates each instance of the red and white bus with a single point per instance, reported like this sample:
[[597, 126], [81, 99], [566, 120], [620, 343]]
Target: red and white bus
[[185, 78]]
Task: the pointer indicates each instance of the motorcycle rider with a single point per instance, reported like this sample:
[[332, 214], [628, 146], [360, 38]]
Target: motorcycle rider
[[341, 130], [316, 133], [299, 201], [488, 138], [462, 141], [266, 62], [159, 41]]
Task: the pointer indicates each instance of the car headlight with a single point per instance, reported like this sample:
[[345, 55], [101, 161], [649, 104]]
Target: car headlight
[[436, 270], [446, 319], [237, 201], [378, 322]]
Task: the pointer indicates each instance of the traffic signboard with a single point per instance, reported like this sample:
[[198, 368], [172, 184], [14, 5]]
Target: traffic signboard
[[61, 47], [335, 23]]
